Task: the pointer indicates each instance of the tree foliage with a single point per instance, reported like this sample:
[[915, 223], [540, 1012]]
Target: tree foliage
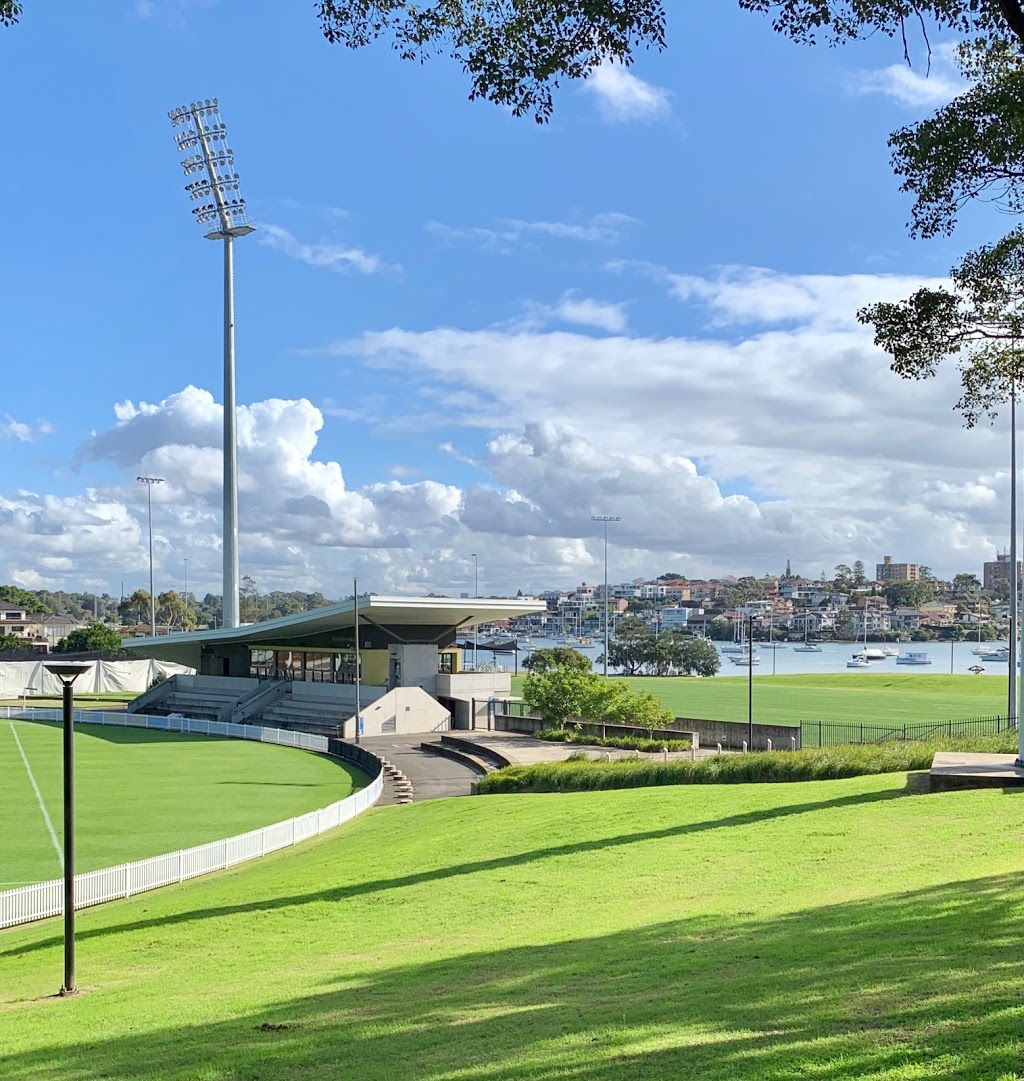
[[91, 637], [515, 53], [9, 12], [980, 322], [10, 643], [545, 660], [22, 598], [559, 694], [907, 594]]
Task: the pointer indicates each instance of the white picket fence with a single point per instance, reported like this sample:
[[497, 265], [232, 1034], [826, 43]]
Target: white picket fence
[[36, 902]]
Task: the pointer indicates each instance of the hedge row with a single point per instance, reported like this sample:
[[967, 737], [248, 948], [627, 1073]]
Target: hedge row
[[623, 743], [770, 767]]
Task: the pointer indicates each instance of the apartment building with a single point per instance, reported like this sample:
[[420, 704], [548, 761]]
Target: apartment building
[[888, 571]]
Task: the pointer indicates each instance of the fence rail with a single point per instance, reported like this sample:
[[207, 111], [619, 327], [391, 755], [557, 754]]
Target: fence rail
[[27, 903], [835, 733]]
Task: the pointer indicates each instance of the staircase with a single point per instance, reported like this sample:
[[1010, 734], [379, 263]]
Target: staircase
[[477, 757], [401, 786]]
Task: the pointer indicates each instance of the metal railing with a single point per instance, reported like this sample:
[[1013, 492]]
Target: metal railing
[[836, 733], [27, 903]]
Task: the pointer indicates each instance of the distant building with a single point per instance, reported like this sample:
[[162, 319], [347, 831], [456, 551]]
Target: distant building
[[887, 571], [996, 574]]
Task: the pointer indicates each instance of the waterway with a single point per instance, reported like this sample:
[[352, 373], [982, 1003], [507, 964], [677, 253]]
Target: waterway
[[955, 658]]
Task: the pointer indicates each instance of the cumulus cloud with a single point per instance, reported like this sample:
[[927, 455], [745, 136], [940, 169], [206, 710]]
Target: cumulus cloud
[[777, 432], [22, 432], [622, 96], [913, 87]]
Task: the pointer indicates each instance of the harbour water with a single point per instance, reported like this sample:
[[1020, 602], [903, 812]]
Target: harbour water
[[945, 657]]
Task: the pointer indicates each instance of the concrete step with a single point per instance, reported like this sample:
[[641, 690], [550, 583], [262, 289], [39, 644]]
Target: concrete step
[[473, 761]]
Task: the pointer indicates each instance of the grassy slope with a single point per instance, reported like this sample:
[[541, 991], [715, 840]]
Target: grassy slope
[[837, 930], [856, 696], [141, 793]]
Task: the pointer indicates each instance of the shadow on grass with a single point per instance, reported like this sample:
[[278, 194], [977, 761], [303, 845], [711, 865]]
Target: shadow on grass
[[922, 984], [384, 885]]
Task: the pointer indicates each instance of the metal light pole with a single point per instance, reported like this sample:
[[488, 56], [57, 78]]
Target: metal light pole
[[355, 617], [186, 593], [67, 672], [149, 482], [750, 685], [222, 210], [606, 518], [1011, 709], [476, 594]]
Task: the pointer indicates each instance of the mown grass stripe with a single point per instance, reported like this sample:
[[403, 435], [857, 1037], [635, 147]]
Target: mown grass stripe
[[39, 796]]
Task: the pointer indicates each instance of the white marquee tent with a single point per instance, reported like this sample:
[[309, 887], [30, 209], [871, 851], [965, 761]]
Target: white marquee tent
[[20, 677]]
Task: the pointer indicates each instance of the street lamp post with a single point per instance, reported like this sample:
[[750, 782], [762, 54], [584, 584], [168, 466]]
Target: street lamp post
[[1011, 709], [149, 482], [186, 593], [476, 594], [606, 518], [221, 210], [67, 672]]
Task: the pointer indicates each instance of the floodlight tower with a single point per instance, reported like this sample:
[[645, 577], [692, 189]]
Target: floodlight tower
[[221, 213]]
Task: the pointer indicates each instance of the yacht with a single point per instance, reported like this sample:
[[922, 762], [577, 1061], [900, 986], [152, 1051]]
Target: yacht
[[890, 651], [807, 647], [867, 654], [913, 658], [858, 661], [746, 658]]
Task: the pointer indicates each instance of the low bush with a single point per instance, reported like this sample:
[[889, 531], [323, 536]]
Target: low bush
[[623, 743], [770, 767]]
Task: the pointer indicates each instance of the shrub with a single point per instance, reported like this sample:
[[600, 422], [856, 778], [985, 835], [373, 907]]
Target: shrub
[[769, 767], [624, 743]]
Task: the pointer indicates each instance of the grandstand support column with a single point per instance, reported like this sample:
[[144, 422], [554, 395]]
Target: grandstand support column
[[67, 672]]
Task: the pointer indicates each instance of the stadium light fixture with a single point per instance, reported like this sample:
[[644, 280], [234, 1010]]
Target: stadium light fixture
[[149, 482], [67, 672], [606, 518], [222, 215]]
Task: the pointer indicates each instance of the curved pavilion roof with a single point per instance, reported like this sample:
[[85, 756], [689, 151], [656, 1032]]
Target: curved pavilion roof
[[410, 619]]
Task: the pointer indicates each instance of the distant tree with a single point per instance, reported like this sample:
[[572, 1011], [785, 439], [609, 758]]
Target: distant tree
[[858, 577], [170, 609], [695, 656], [927, 574], [546, 660], [843, 576], [23, 598], [966, 584], [91, 637], [135, 607], [248, 601], [907, 594], [10, 643], [745, 589], [630, 648]]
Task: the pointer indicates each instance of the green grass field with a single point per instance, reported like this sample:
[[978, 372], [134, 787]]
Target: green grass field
[[141, 793], [866, 698], [840, 930]]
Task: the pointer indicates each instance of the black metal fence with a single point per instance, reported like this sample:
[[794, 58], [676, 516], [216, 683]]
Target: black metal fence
[[834, 733]]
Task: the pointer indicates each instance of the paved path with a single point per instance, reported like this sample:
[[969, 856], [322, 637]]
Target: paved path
[[432, 776], [525, 750]]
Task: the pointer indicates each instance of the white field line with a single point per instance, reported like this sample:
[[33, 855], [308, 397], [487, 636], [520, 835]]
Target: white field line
[[39, 797]]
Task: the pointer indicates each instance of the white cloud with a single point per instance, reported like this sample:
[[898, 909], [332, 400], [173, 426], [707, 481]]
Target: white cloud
[[327, 254], [623, 96], [787, 438], [913, 87], [586, 312], [509, 233], [22, 432]]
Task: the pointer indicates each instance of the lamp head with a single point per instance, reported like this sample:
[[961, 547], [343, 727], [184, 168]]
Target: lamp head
[[67, 671]]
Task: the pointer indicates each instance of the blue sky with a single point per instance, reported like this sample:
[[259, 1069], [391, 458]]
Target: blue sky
[[462, 332]]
